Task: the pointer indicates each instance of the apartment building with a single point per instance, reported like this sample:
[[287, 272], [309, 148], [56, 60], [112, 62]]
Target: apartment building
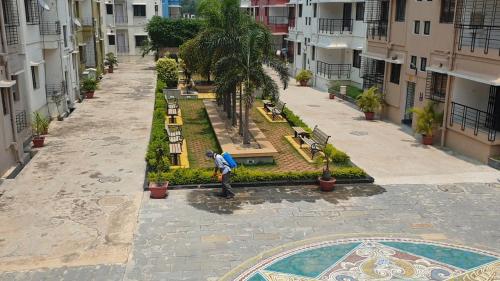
[[444, 51], [89, 35], [171, 9], [14, 110], [328, 38], [124, 23]]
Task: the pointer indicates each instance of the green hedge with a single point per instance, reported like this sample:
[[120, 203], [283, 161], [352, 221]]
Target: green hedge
[[158, 141], [242, 174]]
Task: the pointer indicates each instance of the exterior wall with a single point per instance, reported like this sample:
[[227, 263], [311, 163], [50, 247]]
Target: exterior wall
[[125, 26]]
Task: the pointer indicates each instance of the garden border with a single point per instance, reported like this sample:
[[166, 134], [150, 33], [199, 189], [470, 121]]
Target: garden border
[[365, 180]]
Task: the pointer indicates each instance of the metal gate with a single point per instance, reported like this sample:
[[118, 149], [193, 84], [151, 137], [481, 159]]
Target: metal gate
[[410, 100]]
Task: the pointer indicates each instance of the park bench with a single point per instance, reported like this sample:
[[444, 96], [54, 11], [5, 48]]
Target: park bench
[[172, 109], [300, 132], [316, 141], [267, 104], [175, 152], [277, 109], [174, 134]]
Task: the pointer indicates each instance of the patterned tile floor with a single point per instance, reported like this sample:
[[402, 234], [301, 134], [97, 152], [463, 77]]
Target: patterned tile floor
[[376, 259]]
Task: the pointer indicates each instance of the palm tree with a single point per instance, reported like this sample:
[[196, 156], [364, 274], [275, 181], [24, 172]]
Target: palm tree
[[241, 47]]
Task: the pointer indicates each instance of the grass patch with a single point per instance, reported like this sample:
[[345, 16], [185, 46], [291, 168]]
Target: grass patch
[[353, 91]]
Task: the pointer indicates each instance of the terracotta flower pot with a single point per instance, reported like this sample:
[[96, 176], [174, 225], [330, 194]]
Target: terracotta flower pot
[[89, 95], [327, 185], [369, 115], [38, 141], [110, 70], [427, 140], [158, 191], [332, 96], [303, 83]]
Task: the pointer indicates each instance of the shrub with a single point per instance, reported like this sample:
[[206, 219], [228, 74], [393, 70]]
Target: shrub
[[168, 72], [160, 85], [111, 60], [295, 120], [158, 153], [340, 157], [242, 174], [334, 87], [304, 75], [427, 118], [89, 85]]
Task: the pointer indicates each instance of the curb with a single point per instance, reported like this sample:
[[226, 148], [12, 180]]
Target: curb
[[365, 180]]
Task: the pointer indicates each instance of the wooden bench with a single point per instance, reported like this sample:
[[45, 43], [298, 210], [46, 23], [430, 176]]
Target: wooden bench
[[267, 104], [277, 110], [300, 132], [175, 152], [172, 103], [174, 134], [316, 141]]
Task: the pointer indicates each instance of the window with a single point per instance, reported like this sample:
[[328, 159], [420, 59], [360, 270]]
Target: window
[[356, 59], [447, 11], [423, 64], [395, 73], [15, 88], [315, 8], [139, 10], [360, 10], [111, 40], [77, 9], [5, 100], [400, 10], [32, 12], [299, 48], [413, 62], [109, 9], [300, 10], [416, 27], [65, 36], [34, 77], [81, 51], [140, 40], [313, 52], [427, 27], [438, 86]]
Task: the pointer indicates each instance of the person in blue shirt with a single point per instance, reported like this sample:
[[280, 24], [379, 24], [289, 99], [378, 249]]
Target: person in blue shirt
[[222, 166]]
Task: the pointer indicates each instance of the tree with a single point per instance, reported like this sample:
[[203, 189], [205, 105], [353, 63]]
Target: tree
[[240, 47], [165, 32], [197, 60]]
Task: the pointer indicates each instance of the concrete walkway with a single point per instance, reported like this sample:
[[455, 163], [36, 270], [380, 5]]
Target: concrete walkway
[[387, 151], [77, 201]]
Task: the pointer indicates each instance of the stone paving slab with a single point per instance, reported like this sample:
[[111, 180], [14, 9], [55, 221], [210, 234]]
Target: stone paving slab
[[193, 235], [76, 203]]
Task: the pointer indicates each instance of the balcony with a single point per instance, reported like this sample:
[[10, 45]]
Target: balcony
[[291, 23], [50, 28], [87, 21], [477, 120], [332, 26], [333, 71], [277, 24], [274, 2], [376, 30], [11, 21], [121, 20]]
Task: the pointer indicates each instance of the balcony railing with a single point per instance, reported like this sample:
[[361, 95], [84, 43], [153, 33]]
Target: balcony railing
[[21, 121], [331, 26], [376, 30], [333, 70], [121, 19], [50, 28], [87, 21], [473, 118], [479, 37], [277, 23], [274, 2], [12, 34], [55, 89], [11, 21], [174, 2], [291, 22]]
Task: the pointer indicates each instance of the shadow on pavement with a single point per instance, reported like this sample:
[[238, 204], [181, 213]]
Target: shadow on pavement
[[207, 200]]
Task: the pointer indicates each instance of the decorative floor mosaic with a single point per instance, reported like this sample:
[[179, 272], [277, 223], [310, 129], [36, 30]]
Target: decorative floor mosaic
[[377, 259]]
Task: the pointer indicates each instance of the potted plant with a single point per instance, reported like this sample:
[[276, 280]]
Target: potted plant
[[158, 185], [110, 61], [334, 89], [326, 181], [303, 77], [369, 102], [38, 127], [89, 86], [45, 126], [427, 121]]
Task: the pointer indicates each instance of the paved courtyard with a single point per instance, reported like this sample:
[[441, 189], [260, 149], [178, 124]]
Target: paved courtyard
[[388, 152], [76, 202]]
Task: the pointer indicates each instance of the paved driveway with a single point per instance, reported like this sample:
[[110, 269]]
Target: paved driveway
[[76, 202], [387, 151]]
